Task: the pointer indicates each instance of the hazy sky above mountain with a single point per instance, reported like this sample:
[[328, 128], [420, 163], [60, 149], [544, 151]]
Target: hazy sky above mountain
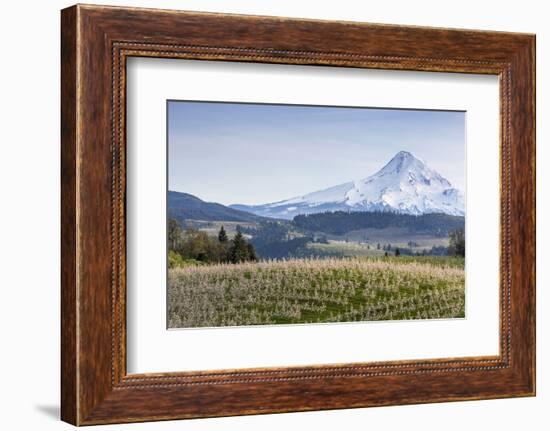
[[256, 153]]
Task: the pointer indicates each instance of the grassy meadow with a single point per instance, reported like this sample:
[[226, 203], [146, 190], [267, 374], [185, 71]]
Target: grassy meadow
[[318, 290]]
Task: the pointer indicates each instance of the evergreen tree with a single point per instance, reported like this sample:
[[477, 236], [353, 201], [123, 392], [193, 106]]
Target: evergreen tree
[[238, 252], [457, 243], [251, 252], [397, 252], [222, 235]]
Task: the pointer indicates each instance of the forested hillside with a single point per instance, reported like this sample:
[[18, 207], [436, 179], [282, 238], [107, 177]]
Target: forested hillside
[[340, 222]]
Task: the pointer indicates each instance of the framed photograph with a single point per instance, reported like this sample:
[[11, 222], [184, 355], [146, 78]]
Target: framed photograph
[[389, 246], [263, 214]]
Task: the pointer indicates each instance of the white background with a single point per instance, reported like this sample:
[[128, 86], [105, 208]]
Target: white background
[[29, 228], [153, 349]]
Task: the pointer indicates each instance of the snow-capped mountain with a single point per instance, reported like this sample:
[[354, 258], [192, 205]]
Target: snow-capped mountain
[[404, 185]]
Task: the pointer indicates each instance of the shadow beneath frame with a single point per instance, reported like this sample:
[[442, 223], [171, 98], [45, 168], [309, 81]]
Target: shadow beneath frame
[[52, 411]]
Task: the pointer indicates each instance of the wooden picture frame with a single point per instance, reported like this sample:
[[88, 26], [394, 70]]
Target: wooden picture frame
[[95, 43]]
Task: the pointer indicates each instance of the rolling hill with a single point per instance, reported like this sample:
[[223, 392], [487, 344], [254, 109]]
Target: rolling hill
[[184, 206]]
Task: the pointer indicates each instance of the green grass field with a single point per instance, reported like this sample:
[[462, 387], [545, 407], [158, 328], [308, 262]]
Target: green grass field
[[364, 242], [316, 291], [342, 248]]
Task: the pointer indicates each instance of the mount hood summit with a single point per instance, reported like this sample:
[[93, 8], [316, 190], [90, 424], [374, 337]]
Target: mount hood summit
[[404, 185]]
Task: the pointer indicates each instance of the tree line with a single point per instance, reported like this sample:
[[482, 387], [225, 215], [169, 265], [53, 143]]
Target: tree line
[[342, 222], [272, 240], [194, 246]]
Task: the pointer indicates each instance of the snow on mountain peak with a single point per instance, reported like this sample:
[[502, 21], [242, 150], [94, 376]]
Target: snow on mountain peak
[[412, 169], [405, 185]]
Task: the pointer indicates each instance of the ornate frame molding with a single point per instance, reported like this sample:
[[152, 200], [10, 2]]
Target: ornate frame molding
[[96, 41]]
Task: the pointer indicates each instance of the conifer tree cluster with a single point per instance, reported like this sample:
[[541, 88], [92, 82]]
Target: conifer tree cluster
[[457, 243], [192, 245], [240, 250]]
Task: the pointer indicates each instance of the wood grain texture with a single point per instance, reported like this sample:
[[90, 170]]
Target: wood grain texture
[[96, 41], [69, 367]]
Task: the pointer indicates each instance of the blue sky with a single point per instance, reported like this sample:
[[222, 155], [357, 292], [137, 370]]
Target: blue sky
[[259, 153]]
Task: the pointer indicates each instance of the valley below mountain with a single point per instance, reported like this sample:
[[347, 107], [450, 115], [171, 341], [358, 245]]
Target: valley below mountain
[[405, 207]]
